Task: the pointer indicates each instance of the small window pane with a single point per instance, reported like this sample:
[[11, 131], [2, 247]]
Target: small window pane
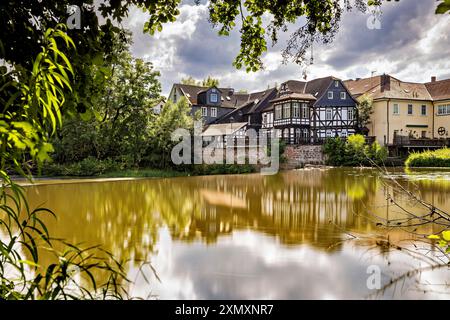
[[396, 110], [410, 109]]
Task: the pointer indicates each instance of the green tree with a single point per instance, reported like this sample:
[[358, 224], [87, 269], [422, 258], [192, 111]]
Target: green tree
[[189, 80], [353, 152], [365, 110], [117, 128], [173, 116], [207, 82], [210, 82]]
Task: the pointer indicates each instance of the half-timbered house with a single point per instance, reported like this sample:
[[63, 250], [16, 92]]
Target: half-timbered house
[[305, 112]]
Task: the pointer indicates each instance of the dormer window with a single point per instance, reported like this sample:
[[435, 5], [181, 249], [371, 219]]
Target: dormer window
[[214, 98], [330, 95]]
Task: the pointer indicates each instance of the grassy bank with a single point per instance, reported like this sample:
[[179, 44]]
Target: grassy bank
[[109, 169], [143, 173], [437, 158]]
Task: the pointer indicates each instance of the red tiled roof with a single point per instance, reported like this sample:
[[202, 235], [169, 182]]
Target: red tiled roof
[[392, 88], [439, 90]]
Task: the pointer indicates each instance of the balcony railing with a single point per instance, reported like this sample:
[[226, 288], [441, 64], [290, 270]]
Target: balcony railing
[[408, 141]]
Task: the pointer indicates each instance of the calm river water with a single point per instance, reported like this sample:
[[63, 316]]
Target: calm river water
[[303, 234]]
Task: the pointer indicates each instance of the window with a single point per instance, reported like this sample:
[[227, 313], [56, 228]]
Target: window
[[213, 97], [396, 109], [278, 112], [295, 110], [330, 95], [424, 134], [343, 95], [336, 83], [350, 114], [264, 119], [278, 131], [305, 111], [444, 109], [213, 112], [410, 109], [423, 110], [269, 119], [204, 112], [328, 114], [286, 110]]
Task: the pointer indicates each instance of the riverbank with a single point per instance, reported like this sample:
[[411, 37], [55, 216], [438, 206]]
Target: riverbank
[[77, 171]]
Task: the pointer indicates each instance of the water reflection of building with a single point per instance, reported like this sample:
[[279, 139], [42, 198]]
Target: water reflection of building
[[308, 206]]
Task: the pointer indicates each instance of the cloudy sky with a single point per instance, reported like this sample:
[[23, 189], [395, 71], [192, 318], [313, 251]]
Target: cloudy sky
[[412, 44]]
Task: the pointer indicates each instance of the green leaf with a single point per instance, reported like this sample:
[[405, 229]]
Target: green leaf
[[442, 243], [443, 8], [30, 263], [446, 235]]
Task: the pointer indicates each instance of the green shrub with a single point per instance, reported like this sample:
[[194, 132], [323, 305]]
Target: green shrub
[[353, 152], [87, 167], [436, 158]]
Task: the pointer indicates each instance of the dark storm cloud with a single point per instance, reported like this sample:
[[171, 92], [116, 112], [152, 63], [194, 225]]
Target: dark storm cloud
[[192, 47]]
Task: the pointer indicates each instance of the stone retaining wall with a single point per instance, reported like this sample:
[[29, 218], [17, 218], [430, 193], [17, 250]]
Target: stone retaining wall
[[299, 155]]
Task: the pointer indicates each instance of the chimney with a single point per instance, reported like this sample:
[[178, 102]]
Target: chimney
[[385, 83], [433, 79]]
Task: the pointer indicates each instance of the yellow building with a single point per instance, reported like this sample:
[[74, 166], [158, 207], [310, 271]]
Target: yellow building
[[405, 111]]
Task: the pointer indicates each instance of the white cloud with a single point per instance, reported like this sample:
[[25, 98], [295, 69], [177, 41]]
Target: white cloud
[[412, 45]]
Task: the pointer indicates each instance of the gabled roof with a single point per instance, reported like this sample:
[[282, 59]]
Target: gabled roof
[[295, 86], [207, 88], [261, 99], [360, 86], [191, 92], [317, 87], [404, 90], [397, 89], [254, 102], [439, 90], [310, 90]]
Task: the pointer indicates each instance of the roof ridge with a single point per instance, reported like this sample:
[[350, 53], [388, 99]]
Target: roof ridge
[[437, 81]]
